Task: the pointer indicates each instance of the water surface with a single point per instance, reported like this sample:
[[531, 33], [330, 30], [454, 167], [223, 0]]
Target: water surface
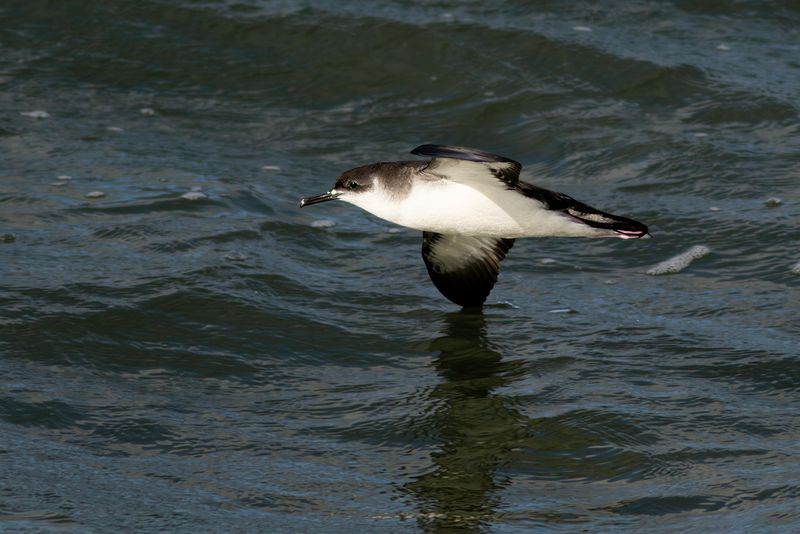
[[227, 361]]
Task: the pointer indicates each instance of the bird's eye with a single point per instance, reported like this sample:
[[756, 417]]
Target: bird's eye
[[352, 185]]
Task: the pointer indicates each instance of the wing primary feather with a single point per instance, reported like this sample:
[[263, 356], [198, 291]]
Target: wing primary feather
[[464, 268], [460, 152], [583, 212]]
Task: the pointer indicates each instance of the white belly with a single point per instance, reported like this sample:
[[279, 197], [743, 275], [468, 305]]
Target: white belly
[[448, 207]]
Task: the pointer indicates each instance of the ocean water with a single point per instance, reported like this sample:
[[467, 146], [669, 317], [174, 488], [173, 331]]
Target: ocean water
[[182, 349]]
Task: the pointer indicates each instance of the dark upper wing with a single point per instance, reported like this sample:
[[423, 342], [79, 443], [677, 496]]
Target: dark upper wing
[[459, 152], [469, 165], [464, 268]]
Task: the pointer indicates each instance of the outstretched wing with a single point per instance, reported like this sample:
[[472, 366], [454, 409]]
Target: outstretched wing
[[470, 166], [623, 226], [464, 268], [486, 172], [490, 173]]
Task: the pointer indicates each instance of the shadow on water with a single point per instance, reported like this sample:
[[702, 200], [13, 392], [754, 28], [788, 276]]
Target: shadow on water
[[477, 427]]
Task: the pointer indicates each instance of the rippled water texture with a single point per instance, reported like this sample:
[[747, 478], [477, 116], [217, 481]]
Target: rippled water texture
[[183, 349]]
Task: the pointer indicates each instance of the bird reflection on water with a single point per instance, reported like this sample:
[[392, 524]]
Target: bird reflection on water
[[486, 441], [478, 428]]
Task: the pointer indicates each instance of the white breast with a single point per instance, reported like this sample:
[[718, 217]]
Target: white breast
[[449, 207]]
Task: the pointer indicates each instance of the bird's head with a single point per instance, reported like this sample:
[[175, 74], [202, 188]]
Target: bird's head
[[351, 186]]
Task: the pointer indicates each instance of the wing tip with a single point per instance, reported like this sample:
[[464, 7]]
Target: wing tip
[[460, 152], [633, 233], [474, 264], [623, 227]]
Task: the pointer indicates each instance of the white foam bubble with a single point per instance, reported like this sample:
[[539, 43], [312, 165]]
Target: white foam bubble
[[714, 208], [115, 129], [562, 310], [796, 268], [680, 262], [36, 114], [547, 261], [773, 202], [63, 177], [95, 194], [270, 168], [147, 112], [701, 134], [582, 28], [235, 256], [723, 47], [194, 195], [323, 223]]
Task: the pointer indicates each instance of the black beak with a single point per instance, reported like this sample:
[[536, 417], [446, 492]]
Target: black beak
[[324, 197]]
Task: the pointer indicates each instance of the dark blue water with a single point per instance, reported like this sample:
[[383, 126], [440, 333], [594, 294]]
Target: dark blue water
[[186, 350]]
